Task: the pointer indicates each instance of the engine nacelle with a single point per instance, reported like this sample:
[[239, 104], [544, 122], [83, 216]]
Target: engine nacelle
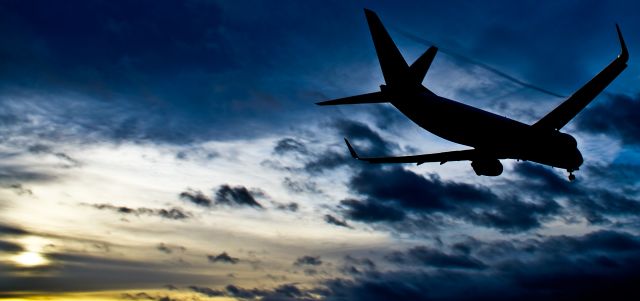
[[487, 167]]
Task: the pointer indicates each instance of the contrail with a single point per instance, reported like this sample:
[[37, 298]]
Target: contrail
[[480, 64]]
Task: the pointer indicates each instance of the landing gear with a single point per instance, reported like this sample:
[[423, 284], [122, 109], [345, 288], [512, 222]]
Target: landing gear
[[572, 177]]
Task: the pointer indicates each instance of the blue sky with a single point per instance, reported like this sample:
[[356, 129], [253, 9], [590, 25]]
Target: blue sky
[[172, 151]]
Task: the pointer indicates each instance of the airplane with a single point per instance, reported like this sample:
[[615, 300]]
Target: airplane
[[491, 137]]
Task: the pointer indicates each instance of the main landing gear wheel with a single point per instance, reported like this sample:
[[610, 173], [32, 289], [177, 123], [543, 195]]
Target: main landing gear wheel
[[572, 177]]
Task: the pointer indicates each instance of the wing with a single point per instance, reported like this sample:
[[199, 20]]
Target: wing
[[561, 115], [461, 155]]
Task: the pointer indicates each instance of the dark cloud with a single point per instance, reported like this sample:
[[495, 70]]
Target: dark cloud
[[372, 142], [12, 230], [302, 186], [595, 198], [616, 117], [413, 191], [283, 292], [164, 248], [137, 296], [11, 174], [147, 296], [325, 161], [543, 181], [223, 257], [308, 260], [197, 153], [330, 219], [365, 139], [595, 266], [395, 193], [358, 266], [207, 291], [243, 293], [65, 271], [435, 258], [237, 196], [196, 197], [19, 189], [366, 262], [164, 73], [370, 211], [287, 145], [172, 213], [599, 204], [292, 207], [41, 149], [10, 247]]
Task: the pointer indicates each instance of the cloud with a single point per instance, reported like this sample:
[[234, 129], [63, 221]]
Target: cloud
[[289, 145], [308, 260], [367, 140], [597, 265], [12, 230], [137, 296], [147, 296], [435, 258], [237, 196], [357, 266], [292, 207], [617, 117], [66, 271], [284, 292], [243, 293], [10, 247], [330, 219], [395, 193], [207, 291], [303, 186], [370, 211], [164, 248], [19, 189], [11, 174], [41, 149], [172, 213], [357, 131], [223, 257], [595, 199], [196, 197]]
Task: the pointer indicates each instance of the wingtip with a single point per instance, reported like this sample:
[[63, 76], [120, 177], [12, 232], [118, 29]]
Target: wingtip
[[624, 53], [351, 150]]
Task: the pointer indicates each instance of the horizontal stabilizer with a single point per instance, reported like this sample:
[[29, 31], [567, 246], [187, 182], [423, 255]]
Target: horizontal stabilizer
[[461, 155], [375, 97], [562, 114], [419, 68]]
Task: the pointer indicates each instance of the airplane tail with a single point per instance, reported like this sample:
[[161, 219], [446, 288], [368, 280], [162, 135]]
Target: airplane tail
[[395, 70], [398, 76], [394, 67]]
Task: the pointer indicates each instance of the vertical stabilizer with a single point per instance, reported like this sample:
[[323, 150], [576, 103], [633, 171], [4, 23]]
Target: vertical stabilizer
[[394, 67]]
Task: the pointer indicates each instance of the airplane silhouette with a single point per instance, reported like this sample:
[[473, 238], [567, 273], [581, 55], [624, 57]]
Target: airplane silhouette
[[492, 137]]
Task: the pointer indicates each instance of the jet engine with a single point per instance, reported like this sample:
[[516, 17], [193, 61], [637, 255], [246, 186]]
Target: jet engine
[[487, 167]]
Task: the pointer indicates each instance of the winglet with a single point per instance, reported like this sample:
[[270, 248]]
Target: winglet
[[351, 150], [624, 53]]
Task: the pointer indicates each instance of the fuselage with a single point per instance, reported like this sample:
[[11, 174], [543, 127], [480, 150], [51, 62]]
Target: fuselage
[[500, 137]]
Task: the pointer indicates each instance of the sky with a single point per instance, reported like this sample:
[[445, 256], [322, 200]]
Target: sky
[[172, 150]]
